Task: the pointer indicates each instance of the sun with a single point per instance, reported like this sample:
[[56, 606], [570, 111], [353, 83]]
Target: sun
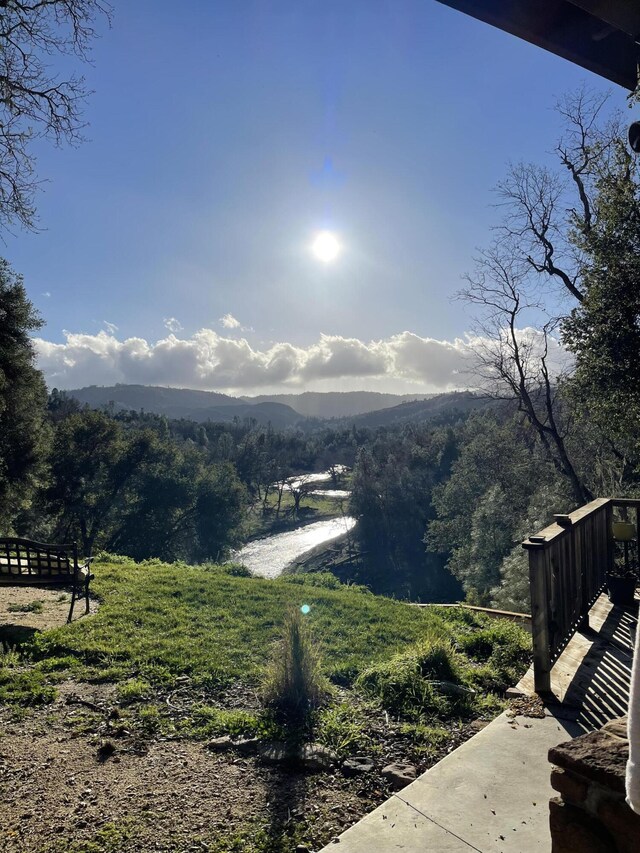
[[326, 247]]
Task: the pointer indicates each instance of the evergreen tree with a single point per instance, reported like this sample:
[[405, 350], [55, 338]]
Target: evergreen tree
[[24, 434]]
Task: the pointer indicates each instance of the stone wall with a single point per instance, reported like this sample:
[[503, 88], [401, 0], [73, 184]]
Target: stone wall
[[591, 815]]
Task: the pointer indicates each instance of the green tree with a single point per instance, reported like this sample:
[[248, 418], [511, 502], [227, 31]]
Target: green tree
[[93, 464], [603, 331], [24, 433]]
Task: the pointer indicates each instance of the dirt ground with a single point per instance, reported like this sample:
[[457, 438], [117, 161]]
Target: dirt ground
[[151, 795], [55, 607]]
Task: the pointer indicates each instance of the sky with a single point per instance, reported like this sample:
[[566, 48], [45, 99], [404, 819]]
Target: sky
[[223, 135]]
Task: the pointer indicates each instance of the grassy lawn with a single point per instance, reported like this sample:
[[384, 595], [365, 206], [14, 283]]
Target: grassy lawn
[[159, 624]]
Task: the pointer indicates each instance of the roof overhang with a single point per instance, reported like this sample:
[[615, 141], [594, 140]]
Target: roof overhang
[[600, 35]]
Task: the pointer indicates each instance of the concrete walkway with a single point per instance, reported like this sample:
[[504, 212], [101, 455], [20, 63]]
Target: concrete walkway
[[492, 794]]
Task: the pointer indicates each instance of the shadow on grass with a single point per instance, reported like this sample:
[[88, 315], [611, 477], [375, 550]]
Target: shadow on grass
[[14, 637]]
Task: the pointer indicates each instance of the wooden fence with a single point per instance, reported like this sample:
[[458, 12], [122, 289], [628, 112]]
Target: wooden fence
[[568, 562]]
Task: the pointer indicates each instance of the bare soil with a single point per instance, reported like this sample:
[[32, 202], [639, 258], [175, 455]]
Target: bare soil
[[55, 607], [58, 789]]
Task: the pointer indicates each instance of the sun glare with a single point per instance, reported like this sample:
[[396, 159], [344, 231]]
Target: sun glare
[[326, 247]]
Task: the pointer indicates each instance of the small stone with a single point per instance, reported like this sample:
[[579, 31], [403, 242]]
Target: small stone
[[220, 744], [315, 757], [399, 775], [246, 745], [274, 752], [357, 764]]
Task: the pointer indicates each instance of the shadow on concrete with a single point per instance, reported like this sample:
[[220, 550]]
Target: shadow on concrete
[[599, 689]]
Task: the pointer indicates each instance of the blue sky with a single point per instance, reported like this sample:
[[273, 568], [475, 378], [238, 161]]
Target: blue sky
[[224, 135]]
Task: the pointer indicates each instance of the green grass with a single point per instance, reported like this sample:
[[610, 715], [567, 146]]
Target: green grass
[[30, 607], [158, 623], [312, 508]]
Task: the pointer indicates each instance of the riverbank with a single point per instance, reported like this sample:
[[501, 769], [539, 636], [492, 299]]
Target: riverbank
[[108, 723]]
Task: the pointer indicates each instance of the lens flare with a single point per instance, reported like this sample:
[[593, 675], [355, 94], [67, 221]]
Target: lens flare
[[305, 609]]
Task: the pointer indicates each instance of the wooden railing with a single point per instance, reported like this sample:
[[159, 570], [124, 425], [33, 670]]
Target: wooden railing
[[568, 562]]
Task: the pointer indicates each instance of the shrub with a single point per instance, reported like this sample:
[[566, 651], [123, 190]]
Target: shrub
[[236, 570], [408, 684], [294, 684]]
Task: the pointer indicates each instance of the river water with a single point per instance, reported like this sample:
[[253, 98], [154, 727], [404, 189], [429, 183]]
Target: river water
[[269, 557]]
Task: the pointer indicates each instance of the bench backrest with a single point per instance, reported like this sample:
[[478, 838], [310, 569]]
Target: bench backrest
[[24, 558]]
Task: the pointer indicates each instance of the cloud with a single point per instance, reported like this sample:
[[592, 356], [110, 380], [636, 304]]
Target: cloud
[[229, 322], [172, 324], [46, 293], [110, 327], [210, 361]]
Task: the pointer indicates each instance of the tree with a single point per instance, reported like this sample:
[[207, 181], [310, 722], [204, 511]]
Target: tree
[[603, 331], [93, 463], [34, 103], [547, 237], [24, 433]]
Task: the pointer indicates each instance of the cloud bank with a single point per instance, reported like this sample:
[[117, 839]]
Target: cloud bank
[[210, 361], [207, 360]]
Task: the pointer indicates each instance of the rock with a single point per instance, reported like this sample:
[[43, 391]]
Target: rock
[[220, 744], [451, 689], [572, 829], [617, 727], [315, 757], [478, 725], [246, 745], [357, 764], [275, 752], [310, 756], [598, 756], [573, 788], [105, 750], [399, 775]]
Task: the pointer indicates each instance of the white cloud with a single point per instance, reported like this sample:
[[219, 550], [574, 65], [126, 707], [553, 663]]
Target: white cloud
[[46, 293], [110, 327], [229, 322], [208, 360], [172, 325]]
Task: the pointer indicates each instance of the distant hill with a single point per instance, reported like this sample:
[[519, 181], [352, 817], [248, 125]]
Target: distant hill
[[184, 403], [453, 402], [337, 404], [281, 410]]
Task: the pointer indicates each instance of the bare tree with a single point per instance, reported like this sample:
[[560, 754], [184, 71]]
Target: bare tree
[[512, 360], [549, 210], [549, 214], [34, 102]]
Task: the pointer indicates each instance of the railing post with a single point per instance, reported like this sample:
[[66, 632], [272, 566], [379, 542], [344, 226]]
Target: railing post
[[539, 617], [610, 544]]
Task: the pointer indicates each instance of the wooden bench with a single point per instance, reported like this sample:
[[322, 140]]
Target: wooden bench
[[27, 563]]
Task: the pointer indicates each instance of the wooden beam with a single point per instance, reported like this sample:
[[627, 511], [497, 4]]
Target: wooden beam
[[577, 31]]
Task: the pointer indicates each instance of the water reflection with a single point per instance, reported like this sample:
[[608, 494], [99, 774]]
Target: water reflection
[[268, 557]]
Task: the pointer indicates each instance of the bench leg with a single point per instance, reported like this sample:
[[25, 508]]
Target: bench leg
[[73, 601]]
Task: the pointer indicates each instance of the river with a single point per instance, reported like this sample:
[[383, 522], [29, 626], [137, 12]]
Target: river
[[269, 557]]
